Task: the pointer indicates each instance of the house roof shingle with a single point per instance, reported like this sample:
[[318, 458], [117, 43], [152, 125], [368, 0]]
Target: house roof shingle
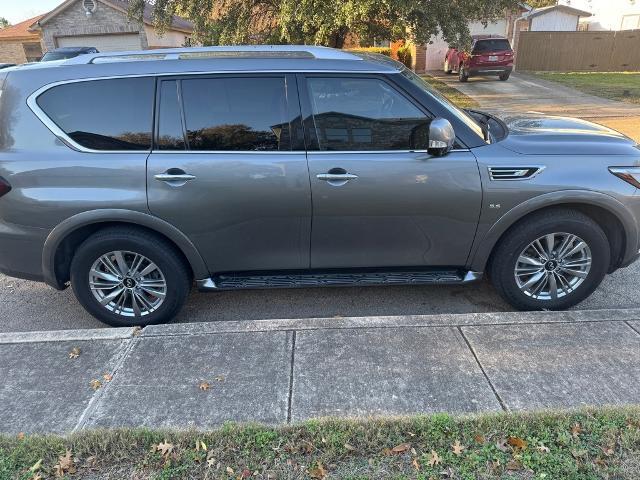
[[20, 30]]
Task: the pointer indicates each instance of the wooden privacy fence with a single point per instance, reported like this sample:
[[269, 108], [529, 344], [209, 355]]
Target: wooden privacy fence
[[579, 51]]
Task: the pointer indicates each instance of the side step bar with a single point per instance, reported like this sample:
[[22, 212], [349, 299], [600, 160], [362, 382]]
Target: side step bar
[[243, 281]]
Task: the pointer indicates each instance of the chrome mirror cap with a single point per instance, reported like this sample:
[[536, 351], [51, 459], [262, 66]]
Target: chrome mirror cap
[[441, 137]]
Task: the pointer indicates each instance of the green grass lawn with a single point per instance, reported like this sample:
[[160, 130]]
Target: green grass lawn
[[622, 86], [585, 444], [454, 95]]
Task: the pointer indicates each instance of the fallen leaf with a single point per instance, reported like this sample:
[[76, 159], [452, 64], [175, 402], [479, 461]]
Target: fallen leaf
[[136, 331], [20, 436], [513, 465], [403, 447], [434, 459], [210, 460], [608, 451], [204, 386], [502, 445], [517, 442], [36, 476], [107, 377], [36, 466], [74, 353], [576, 430], [95, 384], [230, 470], [318, 472], [219, 378], [91, 462], [65, 465], [415, 464], [348, 447], [165, 448], [457, 448], [600, 462], [543, 449], [479, 439], [246, 473], [200, 445]]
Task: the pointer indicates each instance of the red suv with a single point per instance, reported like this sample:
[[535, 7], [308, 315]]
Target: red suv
[[490, 55]]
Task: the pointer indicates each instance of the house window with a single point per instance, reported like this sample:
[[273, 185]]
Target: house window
[[630, 22], [89, 6]]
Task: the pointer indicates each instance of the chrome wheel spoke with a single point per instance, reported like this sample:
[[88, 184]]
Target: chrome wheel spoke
[[127, 284], [553, 266]]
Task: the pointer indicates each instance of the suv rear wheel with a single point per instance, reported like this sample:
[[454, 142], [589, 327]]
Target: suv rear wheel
[[551, 261], [128, 277], [504, 77]]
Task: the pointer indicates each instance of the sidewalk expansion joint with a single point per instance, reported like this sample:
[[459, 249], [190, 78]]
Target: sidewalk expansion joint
[[293, 358], [632, 327], [493, 389], [94, 402]]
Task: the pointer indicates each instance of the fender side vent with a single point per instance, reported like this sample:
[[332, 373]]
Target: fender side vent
[[514, 173]]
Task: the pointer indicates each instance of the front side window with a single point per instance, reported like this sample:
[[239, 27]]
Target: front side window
[[103, 114], [365, 114], [236, 114]]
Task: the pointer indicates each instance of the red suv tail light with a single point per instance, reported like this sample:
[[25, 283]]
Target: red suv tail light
[[5, 187]]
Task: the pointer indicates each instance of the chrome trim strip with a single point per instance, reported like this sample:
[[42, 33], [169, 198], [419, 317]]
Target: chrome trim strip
[[538, 168]]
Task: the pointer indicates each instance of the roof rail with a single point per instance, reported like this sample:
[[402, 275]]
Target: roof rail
[[236, 51]]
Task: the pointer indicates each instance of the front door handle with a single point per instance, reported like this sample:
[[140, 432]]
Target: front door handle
[[336, 177], [174, 177]]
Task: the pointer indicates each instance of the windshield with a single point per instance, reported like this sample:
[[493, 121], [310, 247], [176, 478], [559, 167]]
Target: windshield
[[458, 113], [49, 56]]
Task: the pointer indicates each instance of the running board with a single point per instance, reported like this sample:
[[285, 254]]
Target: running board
[[337, 279]]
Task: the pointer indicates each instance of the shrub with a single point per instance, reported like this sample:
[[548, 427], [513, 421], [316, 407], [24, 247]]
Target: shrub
[[381, 50], [404, 55]]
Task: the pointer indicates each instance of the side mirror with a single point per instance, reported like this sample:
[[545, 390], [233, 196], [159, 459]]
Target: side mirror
[[441, 137]]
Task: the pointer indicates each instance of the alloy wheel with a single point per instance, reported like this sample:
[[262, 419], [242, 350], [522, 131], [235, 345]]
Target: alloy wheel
[[127, 283], [553, 266]]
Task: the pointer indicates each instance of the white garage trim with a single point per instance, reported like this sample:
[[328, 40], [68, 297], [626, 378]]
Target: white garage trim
[[104, 43]]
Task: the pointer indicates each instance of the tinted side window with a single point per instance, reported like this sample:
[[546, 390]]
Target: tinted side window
[[170, 131], [242, 114], [365, 114], [103, 114]]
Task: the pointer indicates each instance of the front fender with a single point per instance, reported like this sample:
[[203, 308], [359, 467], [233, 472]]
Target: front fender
[[95, 217], [483, 246]]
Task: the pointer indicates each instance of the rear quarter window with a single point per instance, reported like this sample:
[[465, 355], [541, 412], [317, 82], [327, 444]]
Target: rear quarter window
[[114, 114]]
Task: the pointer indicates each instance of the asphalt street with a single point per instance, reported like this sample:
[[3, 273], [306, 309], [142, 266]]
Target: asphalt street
[[30, 306]]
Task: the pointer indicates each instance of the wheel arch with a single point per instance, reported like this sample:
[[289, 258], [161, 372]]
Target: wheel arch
[[617, 223], [64, 239]]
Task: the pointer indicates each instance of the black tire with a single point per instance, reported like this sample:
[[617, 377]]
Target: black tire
[[463, 76], [504, 77], [170, 262], [503, 260]]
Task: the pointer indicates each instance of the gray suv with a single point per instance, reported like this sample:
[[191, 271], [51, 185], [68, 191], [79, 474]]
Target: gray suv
[[130, 176]]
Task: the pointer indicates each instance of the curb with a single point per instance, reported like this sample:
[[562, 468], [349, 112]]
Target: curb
[[432, 321]]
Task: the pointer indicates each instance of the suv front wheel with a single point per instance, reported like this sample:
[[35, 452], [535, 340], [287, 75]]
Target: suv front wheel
[[129, 277], [550, 261]]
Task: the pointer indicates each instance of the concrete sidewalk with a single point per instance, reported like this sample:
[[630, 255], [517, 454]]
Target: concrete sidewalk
[[279, 371]]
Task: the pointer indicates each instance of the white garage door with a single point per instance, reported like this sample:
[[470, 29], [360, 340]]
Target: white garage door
[[104, 43]]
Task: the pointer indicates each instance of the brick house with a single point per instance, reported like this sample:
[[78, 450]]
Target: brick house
[[20, 45], [103, 24]]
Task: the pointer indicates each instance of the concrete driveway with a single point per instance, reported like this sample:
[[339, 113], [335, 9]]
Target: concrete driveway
[[524, 93]]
